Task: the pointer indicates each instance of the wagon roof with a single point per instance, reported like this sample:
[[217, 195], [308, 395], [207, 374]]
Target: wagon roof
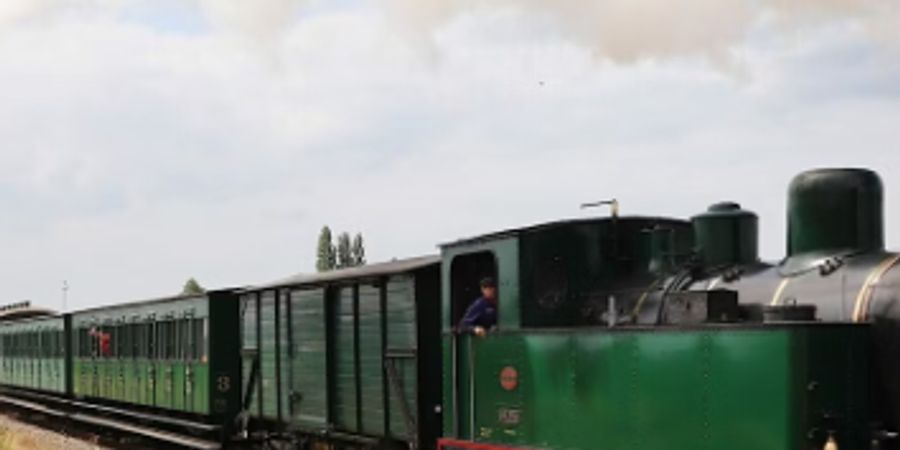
[[367, 271]]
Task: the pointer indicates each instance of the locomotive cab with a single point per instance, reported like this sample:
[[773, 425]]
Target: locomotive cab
[[550, 276], [564, 274]]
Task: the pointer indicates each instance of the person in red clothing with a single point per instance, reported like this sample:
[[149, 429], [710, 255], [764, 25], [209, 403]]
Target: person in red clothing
[[103, 341]]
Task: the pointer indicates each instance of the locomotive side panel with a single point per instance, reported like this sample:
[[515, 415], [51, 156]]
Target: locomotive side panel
[[736, 388]]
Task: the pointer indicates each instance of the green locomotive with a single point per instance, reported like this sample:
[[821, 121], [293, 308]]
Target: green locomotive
[[590, 357], [613, 333]]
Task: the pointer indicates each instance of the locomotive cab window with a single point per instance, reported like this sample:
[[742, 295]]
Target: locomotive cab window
[[473, 277]]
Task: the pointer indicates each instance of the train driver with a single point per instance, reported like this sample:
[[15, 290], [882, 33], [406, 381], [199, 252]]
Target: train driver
[[482, 313]]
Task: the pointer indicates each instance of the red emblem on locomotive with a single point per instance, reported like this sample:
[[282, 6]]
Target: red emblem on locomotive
[[509, 378]]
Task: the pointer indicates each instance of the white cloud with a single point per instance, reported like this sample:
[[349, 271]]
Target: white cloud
[[134, 157], [263, 20], [632, 30]]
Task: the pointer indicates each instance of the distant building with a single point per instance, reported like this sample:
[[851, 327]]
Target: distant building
[[23, 310]]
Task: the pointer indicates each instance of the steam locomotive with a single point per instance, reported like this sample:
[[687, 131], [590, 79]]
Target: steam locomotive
[[613, 333]]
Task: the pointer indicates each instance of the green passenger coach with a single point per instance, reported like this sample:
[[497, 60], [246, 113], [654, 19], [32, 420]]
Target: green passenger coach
[[32, 354], [174, 354]]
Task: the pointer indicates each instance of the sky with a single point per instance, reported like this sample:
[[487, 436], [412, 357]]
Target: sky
[[143, 142]]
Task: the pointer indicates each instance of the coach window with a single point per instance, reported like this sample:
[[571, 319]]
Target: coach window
[[195, 335], [159, 337], [119, 350], [87, 345], [125, 352], [466, 274], [108, 348], [181, 344], [159, 333], [162, 333], [150, 340], [138, 331], [130, 337], [94, 342], [117, 339], [185, 347], [169, 337]]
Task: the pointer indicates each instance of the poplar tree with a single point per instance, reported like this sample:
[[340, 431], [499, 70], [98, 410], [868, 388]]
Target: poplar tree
[[358, 250], [344, 256], [325, 253]]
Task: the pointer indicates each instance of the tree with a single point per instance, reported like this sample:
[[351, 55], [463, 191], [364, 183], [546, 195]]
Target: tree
[[192, 287], [325, 257], [344, 257], [358, 250]]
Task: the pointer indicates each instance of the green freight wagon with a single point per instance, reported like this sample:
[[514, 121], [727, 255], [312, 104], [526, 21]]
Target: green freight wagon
[[349, 358], [174, 354], [32, 354]]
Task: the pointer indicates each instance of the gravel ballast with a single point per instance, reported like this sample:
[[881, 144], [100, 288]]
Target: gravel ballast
[[18, 435]]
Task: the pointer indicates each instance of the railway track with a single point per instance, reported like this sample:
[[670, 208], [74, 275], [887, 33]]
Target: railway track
[[126, 428]]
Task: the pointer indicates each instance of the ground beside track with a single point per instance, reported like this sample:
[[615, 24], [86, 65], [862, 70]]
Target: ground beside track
[[16, 434]]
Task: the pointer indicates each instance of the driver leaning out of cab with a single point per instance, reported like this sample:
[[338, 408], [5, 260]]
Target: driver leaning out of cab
[[482, 313]]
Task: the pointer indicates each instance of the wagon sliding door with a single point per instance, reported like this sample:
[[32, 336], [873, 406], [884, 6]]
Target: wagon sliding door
[[401, 354], [345, 413], [308, 365], [370, 360]]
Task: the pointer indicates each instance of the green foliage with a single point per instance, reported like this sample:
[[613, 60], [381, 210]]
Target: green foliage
[[358, 250], [344, 257], [325, 253], [347, 252], [192, 287]]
